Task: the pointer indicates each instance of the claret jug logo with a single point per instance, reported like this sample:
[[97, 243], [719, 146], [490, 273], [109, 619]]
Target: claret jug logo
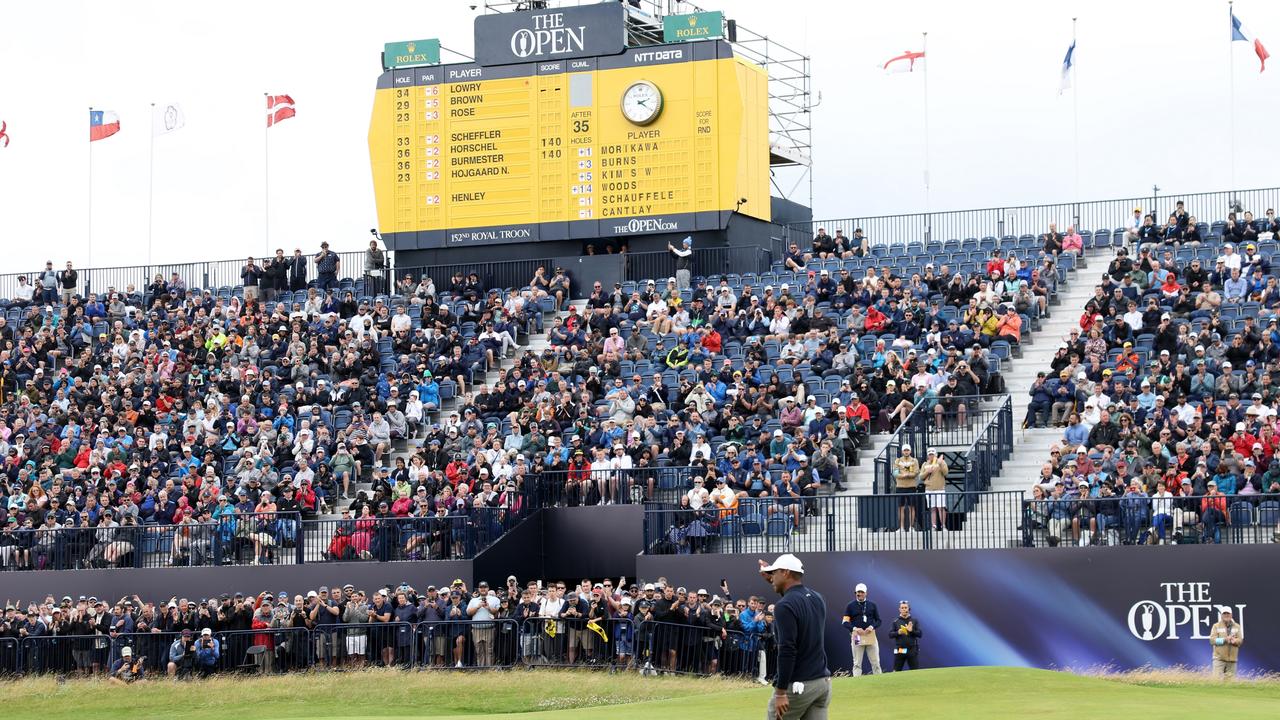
[[1185, 611]]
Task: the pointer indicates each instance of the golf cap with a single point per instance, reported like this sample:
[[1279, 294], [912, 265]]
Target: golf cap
[[785, 562], [860, 587]]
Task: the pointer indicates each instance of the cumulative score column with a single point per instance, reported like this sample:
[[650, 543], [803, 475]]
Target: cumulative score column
[[431, 185]]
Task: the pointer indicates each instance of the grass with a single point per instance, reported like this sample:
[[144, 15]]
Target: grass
[[568, 695]]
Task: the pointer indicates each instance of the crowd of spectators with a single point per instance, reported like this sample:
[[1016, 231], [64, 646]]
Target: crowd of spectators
[[653, 627], [176, 405], [1166, 393]]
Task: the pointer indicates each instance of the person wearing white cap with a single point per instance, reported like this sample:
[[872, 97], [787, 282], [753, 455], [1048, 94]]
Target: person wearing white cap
[[684, 261], [127, 668], [802, 682], [933, 473], [861, 618]]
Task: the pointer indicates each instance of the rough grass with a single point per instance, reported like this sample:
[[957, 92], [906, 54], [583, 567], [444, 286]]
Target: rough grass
[[979, 693]]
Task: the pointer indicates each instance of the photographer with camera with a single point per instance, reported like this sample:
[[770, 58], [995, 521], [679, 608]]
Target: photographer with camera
[[182, 655], [126, 668], [208, 652]]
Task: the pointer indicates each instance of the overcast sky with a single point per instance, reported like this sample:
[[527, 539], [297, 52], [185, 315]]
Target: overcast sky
[[1153, 86]]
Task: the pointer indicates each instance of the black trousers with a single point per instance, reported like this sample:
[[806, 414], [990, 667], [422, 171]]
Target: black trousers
[[902, 660]]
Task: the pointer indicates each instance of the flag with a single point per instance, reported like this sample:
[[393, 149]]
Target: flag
[[549, 627], [1239, 34], [594, 627], [167, 118], [279, 107], [102, 124], [1067, 63], [906, 62], [4, 134]]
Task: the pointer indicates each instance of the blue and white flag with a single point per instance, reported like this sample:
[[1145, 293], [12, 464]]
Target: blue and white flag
[[1067, 63]]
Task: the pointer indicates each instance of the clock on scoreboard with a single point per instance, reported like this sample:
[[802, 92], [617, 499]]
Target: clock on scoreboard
[[651, 139]]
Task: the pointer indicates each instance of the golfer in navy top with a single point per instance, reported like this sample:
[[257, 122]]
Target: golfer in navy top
[[802, 687]]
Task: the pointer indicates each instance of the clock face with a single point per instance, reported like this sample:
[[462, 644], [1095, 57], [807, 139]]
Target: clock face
[[642, 102]]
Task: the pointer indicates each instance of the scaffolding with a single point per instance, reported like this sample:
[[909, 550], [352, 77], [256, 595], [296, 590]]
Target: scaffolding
[[790, 83]]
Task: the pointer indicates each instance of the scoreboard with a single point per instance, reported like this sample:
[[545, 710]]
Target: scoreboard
[[653, 139]]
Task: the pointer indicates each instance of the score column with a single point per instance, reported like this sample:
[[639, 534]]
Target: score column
[[430, 187]]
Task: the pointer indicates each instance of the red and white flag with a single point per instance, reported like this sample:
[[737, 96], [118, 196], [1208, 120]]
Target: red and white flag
[[908, 61], [279, 107], [4, 134]]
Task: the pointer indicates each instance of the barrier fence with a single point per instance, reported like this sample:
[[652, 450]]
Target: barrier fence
[[211, 274], [1032, 219], [909, 521], [563, 488], [1147, 520], [262, 539], [701, 646]]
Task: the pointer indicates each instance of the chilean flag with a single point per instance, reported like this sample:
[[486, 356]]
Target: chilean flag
[[906, 62], [279, 107], [1238, 34], [102, 124]]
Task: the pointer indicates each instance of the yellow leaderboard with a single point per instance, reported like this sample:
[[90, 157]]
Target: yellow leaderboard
[[655, 139]]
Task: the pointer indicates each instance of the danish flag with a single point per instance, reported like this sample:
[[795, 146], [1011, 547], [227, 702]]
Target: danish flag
[[279, 107]]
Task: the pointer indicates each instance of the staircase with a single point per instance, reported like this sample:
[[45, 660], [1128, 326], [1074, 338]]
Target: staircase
[[1032, 448]]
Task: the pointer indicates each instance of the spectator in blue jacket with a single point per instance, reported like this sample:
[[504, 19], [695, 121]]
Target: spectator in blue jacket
[[208, 651]]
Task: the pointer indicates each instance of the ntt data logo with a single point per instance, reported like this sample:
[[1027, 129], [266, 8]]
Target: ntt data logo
[[1186, 612]]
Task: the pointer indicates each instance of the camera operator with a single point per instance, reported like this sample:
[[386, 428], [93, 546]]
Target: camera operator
[[182, 655]]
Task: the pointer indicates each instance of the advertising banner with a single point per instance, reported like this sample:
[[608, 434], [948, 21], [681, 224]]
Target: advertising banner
[[1077, 608], [537, 35], [694, 26], [410, 53]]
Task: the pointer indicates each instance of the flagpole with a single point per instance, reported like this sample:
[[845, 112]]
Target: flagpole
[[1075, 115], [924, 49], [89, 262], [151, 181], [1231, 103], [266, 186]]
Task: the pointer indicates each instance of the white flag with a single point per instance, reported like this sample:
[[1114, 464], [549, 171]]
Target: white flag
[[167, 118]]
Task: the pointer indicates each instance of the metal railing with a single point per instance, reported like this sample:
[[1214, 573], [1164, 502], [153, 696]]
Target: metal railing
[[263, 539], [1032, 219], [707, 262], [493, 274], [210, 274], [564, 488], [616, 643], [1144, 520], [914, 521], [455, 535], [935, 423]]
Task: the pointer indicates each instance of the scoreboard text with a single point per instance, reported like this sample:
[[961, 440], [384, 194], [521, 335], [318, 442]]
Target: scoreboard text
[[654, 139]]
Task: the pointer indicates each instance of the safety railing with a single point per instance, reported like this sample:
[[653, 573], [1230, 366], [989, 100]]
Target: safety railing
[[1034, 219], [565, 488], [1139, 519], [699, 643], [951, 423], [914, 520], [264, 539], [452, 535], [209, 274], [707, 262], [493, 274], [991, 448]]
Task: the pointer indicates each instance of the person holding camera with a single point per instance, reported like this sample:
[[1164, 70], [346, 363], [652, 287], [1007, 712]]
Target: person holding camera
[[1226, 637], [208, 652], [906, 639], [182, 655]]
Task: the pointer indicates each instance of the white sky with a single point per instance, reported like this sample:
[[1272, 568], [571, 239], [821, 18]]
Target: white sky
[[1152, 83]]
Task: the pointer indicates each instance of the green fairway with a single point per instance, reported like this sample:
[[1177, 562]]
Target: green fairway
[[951, 693]]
